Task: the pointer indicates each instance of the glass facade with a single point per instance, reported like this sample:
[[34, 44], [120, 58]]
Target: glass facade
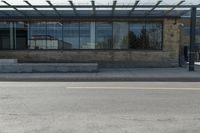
[[71, 35], [85, 36], [37, 35], [5, 35], [54, 35], [120, 35], [20, 33], [145, 36], [104, 35], [81, 35], [154, 36]]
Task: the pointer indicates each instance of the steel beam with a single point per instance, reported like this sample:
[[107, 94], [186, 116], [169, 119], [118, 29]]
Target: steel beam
[[9, 5], [156, 5], [27, 2], [85, 18], [114, 6], [175, 6], [54, 8], [135, 5], [73, 7], [192, 38], [93, 7], [102, 6]]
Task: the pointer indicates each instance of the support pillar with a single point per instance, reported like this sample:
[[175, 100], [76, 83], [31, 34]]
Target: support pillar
[[192, 39]]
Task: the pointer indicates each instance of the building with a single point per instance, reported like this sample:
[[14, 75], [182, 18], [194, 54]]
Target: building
[[111, 35]]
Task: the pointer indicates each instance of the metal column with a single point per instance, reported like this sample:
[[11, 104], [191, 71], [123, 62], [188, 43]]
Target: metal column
[[192, 39]]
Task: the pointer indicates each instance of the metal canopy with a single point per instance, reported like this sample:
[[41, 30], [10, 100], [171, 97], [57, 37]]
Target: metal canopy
[[54, 8], [154, 7], [15, 8], [93, 7], [33, 7], [136, 9], [175, 7], [73, 7], [135, 5], [113, 7]]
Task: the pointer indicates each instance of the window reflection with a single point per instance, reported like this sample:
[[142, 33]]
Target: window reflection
[[137, 36], [21, 35], [54, 35], [86, 35], [120, 35], [37, 35], [71, 35], [103, 35], [81, 35], [154, 36], [145, 36], [5, 35]]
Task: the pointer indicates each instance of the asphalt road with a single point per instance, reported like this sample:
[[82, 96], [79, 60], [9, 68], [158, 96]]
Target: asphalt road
[[99, 107]]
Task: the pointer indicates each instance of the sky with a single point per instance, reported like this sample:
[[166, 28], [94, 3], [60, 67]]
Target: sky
[[104, 2]]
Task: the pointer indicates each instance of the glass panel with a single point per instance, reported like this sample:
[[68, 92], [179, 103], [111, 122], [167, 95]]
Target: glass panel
[[21, 35], [71, 35], [85, 36], [37, 36], [145, 36], [137, 35], [5, 35], [120, 35], [103, 35], [54, 35], [154, 36]]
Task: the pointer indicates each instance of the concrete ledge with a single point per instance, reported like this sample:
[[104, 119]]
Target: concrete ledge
[[139, 75], [8, 61], [48, 67]]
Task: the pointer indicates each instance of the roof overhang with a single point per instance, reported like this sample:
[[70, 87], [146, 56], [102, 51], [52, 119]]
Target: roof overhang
[[94, 11]]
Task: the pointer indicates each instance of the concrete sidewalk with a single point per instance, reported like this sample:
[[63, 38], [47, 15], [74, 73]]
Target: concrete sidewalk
[[133, 74]]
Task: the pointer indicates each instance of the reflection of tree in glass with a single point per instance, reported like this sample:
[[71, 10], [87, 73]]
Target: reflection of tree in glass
[[105, 43], [140, 41]]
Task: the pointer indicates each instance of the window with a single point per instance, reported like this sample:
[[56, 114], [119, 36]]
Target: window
[[145, 35], [5, 39], [71, 35], [103, 35], [54, 35], [120, 35], [154, 36], [81, 35], [21, 35], [37, 36], [87, 35]]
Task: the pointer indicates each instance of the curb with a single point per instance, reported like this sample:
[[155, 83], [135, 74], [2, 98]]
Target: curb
[[104, 79]]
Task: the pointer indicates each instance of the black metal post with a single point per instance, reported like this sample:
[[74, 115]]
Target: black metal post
[[192, 38]]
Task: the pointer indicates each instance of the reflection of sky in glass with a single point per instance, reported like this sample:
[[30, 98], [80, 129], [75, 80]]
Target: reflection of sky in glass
[[84, 29], [54, 30], [104, 33], [103, 29], [71, 34], [84, 33], [137, 28], [37, 29]]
